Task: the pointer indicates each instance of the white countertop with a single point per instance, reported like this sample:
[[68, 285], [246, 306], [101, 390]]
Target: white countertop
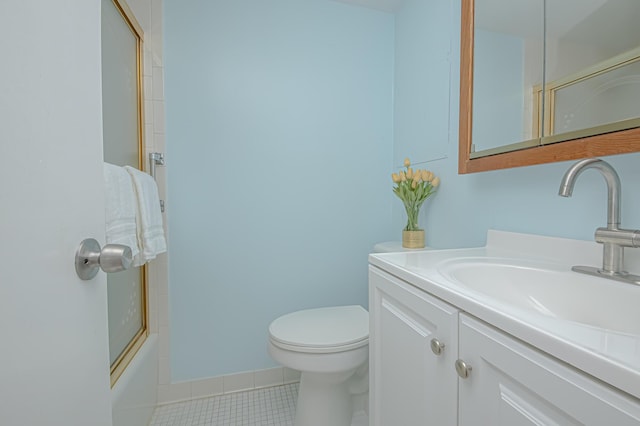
[[610, 356]]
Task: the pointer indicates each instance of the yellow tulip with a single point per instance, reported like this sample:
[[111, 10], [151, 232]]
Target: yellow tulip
[[414, 184], [395, 178], [407, 163], [409, 173], [403, 176], [435, 182]]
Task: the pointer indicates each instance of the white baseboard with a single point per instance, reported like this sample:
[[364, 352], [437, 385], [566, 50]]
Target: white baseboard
[[250, 380]]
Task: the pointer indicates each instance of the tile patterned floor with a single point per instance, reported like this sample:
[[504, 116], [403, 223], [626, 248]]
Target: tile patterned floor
[[263, 407]]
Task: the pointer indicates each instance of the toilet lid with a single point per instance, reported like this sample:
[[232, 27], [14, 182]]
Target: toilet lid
[[337, 328]]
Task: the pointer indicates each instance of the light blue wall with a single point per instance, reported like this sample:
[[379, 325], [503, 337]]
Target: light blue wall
[[280, 132], [523, 199], [279, 141], [421, 75]]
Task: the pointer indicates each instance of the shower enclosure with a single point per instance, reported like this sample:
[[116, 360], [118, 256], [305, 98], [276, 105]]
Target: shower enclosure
[[133, 352], [123, 145]]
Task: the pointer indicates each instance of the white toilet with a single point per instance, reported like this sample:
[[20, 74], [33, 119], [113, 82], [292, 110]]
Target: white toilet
[[327, 345], [330, 347]]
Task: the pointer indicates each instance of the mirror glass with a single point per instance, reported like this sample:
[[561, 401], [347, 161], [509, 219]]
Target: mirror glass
[[507, 70], [592, 66], [538, 72]]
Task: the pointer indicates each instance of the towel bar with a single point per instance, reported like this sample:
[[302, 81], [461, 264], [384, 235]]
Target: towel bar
[[156, 159]]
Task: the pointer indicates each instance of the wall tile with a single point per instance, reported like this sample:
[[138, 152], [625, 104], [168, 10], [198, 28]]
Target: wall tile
[[163, 341], [156, 30], [147, 64], [174, 392], [158, 83], [148, 139], [148, 87], [161, 262], [269, 377], [152, 306], [170, 392], [291, 376], [207, 387], [238, 382], [159, 141], [163, 310], [164, 370], [158, 116], [148, 112]]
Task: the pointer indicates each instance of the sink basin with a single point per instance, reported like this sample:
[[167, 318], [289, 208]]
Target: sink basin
[[549, 289]]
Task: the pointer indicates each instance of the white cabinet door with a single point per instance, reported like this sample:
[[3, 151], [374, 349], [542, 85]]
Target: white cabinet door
[[511, 384], [54, 361], [410, 385]]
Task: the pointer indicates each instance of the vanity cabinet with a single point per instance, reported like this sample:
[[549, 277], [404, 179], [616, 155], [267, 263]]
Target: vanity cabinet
[[411, 383], [511, 383], [507, 381]]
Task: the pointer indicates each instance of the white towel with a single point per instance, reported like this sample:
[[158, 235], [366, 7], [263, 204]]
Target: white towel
[[120, 208], [149, 217]]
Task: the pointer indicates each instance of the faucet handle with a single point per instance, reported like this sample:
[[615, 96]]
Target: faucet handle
[[621, 237]]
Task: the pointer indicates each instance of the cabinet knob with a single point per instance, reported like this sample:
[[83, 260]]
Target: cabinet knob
[[437, 347], [463, 369]]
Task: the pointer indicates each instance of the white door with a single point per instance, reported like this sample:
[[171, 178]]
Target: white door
[[54, 363]]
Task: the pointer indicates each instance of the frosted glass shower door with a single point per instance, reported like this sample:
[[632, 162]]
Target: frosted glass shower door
[[122, 131]]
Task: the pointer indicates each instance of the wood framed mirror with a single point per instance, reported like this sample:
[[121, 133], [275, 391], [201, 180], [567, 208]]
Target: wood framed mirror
[[539, 144]]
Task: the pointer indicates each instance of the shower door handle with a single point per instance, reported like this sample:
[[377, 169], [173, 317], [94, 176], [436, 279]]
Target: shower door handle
[[111, 258]]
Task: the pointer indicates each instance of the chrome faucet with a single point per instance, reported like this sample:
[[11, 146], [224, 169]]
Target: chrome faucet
[[613, 238]]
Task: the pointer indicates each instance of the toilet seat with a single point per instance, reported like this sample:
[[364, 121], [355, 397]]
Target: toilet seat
[[322, 330]]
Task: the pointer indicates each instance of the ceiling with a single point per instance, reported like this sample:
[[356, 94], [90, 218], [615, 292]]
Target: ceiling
[[384, 5]]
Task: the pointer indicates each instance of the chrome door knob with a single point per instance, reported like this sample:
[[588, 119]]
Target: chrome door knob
[[111, 258], [437, 347], [463, 369], [115, 258]]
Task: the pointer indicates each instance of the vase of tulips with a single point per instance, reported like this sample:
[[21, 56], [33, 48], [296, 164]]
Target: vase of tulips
[[413, 187]]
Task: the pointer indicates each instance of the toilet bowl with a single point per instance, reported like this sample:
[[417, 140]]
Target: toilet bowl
[[330, 348]]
